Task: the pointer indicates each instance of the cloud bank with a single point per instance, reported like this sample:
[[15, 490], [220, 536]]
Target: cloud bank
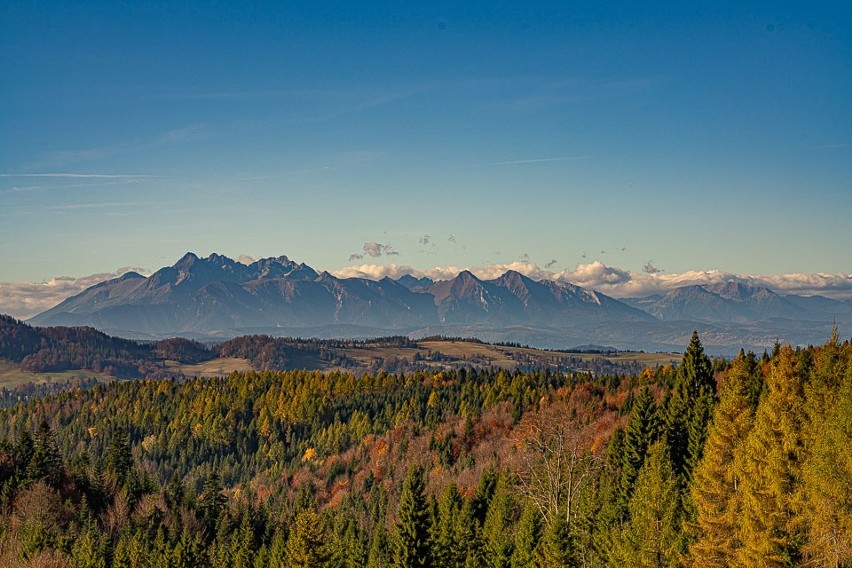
[[26, 299], [621, 283]]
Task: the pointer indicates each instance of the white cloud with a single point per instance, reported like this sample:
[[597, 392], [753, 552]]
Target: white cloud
[[621, 283], [26, 299], [374, 271]]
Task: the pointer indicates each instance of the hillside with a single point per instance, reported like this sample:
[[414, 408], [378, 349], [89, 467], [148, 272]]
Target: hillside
[[477, 467], [57, 354]]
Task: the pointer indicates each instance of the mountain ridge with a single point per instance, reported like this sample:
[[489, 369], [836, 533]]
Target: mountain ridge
[[218, 296]]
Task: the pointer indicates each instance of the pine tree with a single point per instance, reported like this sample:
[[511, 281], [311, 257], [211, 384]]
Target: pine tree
[[411, 545]]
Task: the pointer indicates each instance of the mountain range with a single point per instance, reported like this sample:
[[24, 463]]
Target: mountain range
[[220, 297]]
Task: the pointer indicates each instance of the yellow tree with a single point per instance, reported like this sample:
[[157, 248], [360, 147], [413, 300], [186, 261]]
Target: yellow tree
[[715, 481], [827, 470], [771, 530]]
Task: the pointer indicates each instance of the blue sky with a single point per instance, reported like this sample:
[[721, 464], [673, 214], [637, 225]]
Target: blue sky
[[711, 138]]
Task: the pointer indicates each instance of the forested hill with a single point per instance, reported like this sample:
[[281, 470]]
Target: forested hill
[[745, 463], [54, 349]]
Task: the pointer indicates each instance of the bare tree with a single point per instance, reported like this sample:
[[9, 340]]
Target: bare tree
[[555, 451]]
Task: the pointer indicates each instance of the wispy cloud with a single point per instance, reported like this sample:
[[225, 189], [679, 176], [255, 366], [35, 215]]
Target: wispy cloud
[[533, 161], [97, 205], [65, 158], [70, 175], [830, 146]]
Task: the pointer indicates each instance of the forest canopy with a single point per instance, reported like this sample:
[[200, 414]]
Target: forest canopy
[[746, 462]]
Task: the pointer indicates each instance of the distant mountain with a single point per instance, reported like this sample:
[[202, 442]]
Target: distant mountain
[[414, 283], [730, 302], [215, 294], [516, 299], [220, 297], [205, 295]]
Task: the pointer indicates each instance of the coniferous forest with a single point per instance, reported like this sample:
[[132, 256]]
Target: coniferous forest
[[742, 462]]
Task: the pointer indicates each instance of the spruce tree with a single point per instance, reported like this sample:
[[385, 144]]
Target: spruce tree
[[46, 461], [496, 531], [411, 546], [555, 549], [212, 503], [119, 458], [527, 537], [641, 433], [651, 536], [690, 407], [448, 551]]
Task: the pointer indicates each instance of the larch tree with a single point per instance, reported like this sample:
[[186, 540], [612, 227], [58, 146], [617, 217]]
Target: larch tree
[[715, 481], [827, 469], [306, 544], [771, 530]]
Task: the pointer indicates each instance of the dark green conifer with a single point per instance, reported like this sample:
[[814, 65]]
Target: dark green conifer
[[642, 431], [690, 408], [527, 537], [411, 543]]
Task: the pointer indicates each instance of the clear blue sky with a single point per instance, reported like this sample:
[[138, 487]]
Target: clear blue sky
[[700, 138]]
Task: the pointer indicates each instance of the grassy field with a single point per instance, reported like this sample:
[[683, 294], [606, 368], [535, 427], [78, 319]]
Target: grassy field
[[212, 368], [500, 356], [11, 375]]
